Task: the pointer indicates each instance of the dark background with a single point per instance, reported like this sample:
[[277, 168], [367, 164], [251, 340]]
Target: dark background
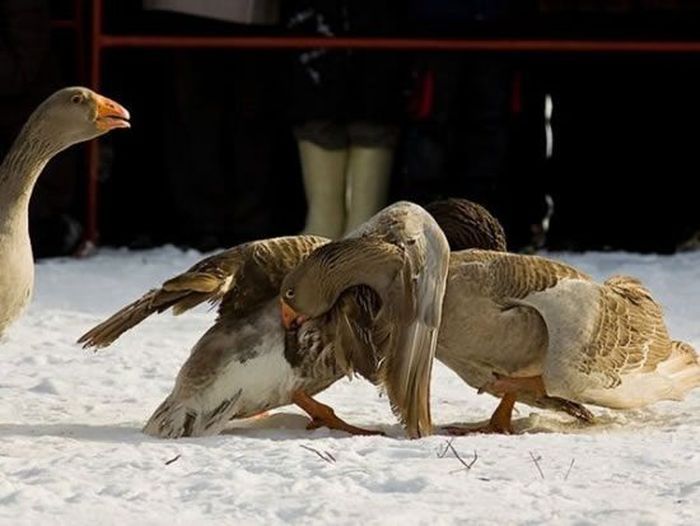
[[211, 161]]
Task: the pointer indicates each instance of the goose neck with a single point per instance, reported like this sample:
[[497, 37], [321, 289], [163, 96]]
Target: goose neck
[[19, 172]]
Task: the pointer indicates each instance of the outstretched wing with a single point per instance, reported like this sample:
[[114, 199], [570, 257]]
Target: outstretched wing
[[241, 278]]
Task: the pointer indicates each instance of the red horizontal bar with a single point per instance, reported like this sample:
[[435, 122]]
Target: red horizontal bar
[[64, 24], [398, 44]]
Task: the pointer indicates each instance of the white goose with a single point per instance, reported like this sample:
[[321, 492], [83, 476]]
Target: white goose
[[67, 117]]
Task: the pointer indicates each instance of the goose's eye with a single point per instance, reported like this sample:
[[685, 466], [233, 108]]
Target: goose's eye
[[76, 99], [289, 294]]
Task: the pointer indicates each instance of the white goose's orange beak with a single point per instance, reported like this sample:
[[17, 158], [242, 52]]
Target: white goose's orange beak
[[110, 114], [291, 319]]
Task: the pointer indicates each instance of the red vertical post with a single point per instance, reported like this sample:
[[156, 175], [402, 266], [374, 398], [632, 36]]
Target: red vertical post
[[91, 230], [79, 20]]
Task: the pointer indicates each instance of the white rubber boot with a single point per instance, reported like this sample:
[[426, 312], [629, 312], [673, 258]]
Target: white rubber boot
[[325, 187], [369, 172]]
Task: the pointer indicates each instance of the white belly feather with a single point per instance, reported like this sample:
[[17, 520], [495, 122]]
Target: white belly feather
[[233, 372]]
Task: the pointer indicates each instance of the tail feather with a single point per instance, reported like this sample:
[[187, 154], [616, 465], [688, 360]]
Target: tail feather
[[176, 419], [682, 368], [672, 379]]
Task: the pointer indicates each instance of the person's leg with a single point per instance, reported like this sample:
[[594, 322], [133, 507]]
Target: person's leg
[[369, 170], [324, 160]]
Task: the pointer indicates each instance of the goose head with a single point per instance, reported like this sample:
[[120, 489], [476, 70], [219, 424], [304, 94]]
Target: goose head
[[306, 293], [314, 286], [77, 114]]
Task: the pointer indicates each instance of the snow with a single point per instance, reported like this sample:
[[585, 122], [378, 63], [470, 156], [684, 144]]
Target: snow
[[71, 449]]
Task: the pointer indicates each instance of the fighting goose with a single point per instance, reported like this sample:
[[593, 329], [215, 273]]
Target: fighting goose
[[240, 366], [529, 327], [67, 117], [247, 356], [402, 255], [245, 363], [465, 224]]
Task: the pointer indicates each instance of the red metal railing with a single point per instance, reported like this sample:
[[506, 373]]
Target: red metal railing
[[402, 44], [102, 41]]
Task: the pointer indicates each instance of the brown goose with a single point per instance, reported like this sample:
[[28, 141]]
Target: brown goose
[[469, 225], [67, 117], [466, 225], [529, 327], [402, 255], [240, 366]]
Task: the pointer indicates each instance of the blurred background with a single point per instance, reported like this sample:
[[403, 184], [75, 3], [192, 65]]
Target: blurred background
[[576, 149]]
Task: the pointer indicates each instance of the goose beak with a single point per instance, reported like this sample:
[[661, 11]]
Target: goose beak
[[110, 114], [291, 319]]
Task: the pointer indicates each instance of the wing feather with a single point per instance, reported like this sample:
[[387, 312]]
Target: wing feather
[[241, 279], [598, 334], [412, 316]]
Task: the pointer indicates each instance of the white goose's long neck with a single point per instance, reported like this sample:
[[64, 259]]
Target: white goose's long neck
[[18, 174]]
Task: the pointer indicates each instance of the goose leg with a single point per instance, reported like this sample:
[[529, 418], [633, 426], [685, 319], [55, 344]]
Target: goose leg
[[500, 421], [514, 385], [323, 415]]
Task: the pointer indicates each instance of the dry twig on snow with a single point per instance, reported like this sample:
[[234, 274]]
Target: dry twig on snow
[[325, 455], [450, 447], [168, 462], [536, 460], [570, 467]]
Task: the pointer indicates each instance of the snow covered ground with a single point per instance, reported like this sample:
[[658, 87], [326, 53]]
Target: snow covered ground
[[71, 450]]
